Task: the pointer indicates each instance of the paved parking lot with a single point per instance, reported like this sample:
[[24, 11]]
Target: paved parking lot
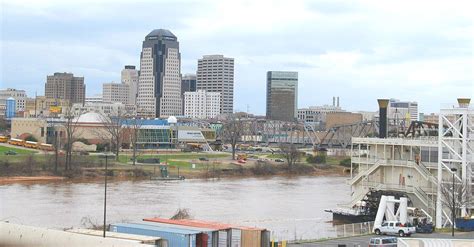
[[364, 240]]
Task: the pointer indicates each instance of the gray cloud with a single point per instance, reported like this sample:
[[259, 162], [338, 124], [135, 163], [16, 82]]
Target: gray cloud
[[356, 50]]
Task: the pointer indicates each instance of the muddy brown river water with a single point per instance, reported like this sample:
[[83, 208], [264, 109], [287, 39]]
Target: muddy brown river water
[[291, 208]]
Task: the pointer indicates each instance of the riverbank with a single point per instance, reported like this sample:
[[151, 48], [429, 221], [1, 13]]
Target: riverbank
[[41, 167]]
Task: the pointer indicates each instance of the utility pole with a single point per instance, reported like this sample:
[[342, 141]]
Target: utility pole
[[454, 205]]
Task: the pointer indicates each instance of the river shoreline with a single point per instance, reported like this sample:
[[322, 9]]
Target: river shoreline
[[97, 174]]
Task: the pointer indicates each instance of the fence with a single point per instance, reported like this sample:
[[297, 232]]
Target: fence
[[354, 229]]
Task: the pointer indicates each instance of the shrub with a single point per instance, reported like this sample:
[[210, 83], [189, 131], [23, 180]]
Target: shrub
[[31, 138], [318, 159], [345, 162], [263, 168]]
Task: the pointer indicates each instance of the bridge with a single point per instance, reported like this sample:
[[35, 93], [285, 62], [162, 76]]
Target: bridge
[[272, 132]]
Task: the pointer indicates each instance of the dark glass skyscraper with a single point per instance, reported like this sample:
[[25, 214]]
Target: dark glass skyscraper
[[282, 95]]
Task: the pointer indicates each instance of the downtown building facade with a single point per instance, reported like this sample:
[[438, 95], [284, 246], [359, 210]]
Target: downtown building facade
[[400, 111], [282, 95], [19, 96], [159, 81], [202, 104], [129, 76], [215, 74], [65, 86], [116, 93]]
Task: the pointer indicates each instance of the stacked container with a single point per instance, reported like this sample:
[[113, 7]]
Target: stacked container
[[176, 237], [228, 235]]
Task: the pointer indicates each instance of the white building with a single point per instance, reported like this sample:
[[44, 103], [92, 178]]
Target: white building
[[94, 99], [421, 167], [316, 115], [19, 96], [159, 85], [116, 92], [402, 110], [202, 104], [129, 77], [215, 73], [104, 109]]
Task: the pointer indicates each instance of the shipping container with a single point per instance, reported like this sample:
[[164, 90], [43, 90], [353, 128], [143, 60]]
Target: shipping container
[[205, 239], [229, 235], [176, 237], [251, 238], [236, 237], [222, 239]]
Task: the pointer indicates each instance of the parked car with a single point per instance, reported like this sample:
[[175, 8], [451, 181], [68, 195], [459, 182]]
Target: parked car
[[203, 159], [10, 152], [383, 241], [395, 228], [425, 228], [279, 160]]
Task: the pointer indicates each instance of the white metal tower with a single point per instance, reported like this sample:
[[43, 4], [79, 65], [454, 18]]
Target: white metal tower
[[455, 150]]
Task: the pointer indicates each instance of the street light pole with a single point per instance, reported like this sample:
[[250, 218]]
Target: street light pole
[[105, 195], [453, 170]]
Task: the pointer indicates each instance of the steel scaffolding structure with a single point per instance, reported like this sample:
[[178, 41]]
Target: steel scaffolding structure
[[455, 154]]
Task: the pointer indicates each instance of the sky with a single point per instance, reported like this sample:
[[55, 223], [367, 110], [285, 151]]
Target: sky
[[358, 50]]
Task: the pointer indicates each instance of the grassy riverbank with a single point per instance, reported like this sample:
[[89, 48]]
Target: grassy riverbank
[[28, 163]]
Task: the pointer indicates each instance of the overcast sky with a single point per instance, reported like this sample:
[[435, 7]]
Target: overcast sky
[[357, 50]]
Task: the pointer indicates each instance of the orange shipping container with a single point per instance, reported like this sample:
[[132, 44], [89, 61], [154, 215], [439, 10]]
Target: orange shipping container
[[251, 238]]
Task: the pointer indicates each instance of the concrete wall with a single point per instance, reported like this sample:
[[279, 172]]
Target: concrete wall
[[413, 242], [20, 235]]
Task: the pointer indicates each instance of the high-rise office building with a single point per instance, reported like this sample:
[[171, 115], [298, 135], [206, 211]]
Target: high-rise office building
[[215, 73], [188, 83], [116, 93], [65, 86], [202, 104], [159, 83], [130, 78], [282, 95]]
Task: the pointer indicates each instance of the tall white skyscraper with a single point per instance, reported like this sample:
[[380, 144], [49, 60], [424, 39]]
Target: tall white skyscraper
[[159, 83], [130, 77], [215, 73]]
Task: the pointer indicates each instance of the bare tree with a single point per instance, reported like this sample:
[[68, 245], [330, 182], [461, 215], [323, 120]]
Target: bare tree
[[290, 153], [232, 131], [114, 127], [134, 128], [51, 125], [70, 127], [461, 195]]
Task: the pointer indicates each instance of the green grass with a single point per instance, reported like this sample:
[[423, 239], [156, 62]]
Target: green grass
[[3, 149], [275, 156], [169, 157]]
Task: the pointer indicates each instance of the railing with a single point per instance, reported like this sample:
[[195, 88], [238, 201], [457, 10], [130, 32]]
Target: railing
[[365, 172], [355, 229]]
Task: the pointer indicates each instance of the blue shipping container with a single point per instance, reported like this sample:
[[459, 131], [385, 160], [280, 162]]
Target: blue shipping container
[[176, 237], [207, 231]]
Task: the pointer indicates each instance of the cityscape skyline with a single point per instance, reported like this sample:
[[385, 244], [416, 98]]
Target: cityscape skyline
[[428, 65]]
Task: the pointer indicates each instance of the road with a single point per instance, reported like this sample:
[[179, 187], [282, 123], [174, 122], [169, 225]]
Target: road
[[364, 240]]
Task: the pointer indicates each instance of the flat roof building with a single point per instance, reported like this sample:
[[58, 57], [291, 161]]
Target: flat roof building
[[215, 73], [282, 95], [65, 86]]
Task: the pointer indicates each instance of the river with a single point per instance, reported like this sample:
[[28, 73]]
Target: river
[[291, 208]]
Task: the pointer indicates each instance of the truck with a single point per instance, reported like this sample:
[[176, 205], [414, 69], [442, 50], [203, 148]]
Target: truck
[[395, 228]]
